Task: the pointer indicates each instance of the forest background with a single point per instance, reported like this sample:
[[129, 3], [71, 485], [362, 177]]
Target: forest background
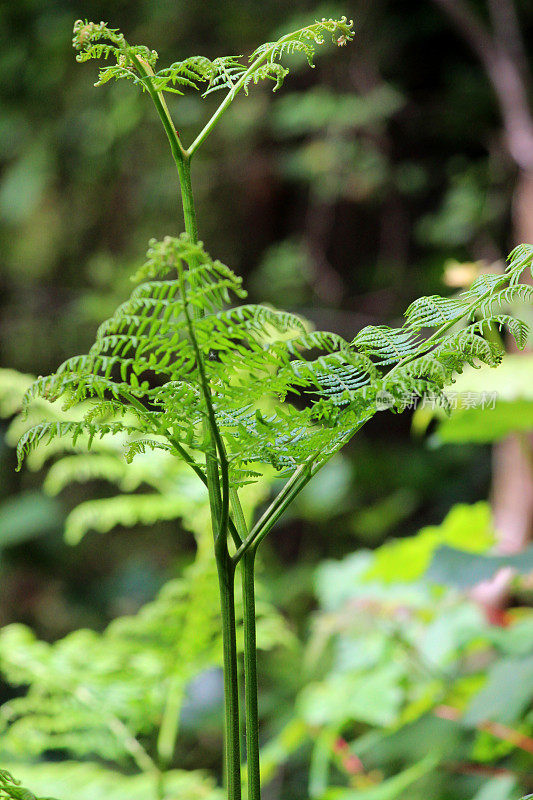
[[406, 163]]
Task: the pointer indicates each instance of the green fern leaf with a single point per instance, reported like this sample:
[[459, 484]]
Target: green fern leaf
[[95, 41], [10, 788], [46, 431], [520, 258], [175, 339]]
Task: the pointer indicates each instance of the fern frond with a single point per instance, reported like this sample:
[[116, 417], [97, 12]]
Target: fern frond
[[518, 329], [242, 322], [474, 347], [87, 33], [11, 789], [272, 70], [520, 259], [175, 335], [430, 372], [336, 375], [126, 511], [142, 445], [298, 44], [508, 296], [305, 39], [317, 340], [95, 41], [386, 345], [189, 73], [430, 312], [227, 70], [74, 388], [117, 72], [46, 431]]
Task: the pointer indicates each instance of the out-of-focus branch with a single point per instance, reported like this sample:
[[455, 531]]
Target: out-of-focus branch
[[497, 51], [496, 729], [470, 28], [507, 31], [500, 49]]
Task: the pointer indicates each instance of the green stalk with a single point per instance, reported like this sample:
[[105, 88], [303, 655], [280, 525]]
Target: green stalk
[[233, 92], [168, 732], [219, 499], [294, 485], [189, 212], [250, 657], [217, 479], [250, 677], [232, 747]]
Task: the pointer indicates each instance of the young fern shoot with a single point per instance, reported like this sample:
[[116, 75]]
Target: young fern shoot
[[214, 382]]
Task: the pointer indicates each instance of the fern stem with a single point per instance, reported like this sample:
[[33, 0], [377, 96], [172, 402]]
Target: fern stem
[[219, 499], [168, 732], [241, 83], [436, 336], [217, 478], [294, 485], [189, 212], [250, 657], [122, 732], [250, 676], [180, 156], [232, 747], [218, 488]]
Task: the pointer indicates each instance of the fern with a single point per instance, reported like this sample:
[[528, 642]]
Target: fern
[[93, 708], [46, 431], [182, 371], [10, 788], [152, 352], [137, 63], [170, 365], [73, 780]]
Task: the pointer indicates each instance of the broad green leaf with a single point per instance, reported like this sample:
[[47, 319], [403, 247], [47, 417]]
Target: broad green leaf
[[506, 695], [467, 526], [452, 567], [484, 425], [26, 516], [501, 788]]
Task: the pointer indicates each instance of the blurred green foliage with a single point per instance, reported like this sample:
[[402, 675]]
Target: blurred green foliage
[[398, 658]]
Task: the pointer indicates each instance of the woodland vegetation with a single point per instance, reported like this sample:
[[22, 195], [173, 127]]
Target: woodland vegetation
[[393, 598]]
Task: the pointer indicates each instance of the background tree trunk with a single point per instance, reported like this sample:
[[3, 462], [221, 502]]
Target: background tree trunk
[[501, 51]]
